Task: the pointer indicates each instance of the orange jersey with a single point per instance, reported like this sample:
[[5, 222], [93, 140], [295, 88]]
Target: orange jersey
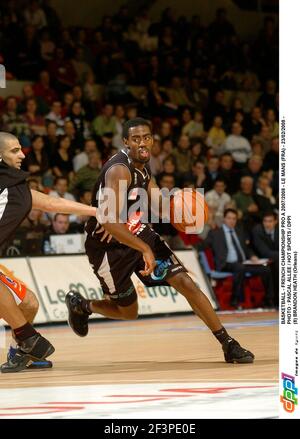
[[16, 286]]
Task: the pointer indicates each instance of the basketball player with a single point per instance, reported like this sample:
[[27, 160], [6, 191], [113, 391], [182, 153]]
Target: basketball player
[[137, 249], [16, 200]]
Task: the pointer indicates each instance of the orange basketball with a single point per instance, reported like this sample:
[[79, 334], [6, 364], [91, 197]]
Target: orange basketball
[[188, 211]]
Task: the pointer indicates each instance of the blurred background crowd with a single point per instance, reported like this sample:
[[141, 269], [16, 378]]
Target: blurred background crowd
[[212, 97]]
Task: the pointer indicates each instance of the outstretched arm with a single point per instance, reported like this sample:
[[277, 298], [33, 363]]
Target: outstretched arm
[[60, 205]]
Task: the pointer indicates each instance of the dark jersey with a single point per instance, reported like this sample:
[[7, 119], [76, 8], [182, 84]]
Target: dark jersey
[[133, 217], [15, 200], [114, 263]]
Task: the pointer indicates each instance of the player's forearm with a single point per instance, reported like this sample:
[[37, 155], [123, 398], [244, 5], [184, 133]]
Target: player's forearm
[[121, 234], [60, 205]]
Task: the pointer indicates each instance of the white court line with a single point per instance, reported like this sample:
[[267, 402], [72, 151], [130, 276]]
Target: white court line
[[113, 381]]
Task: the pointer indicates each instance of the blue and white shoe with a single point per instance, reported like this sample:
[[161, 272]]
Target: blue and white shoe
[[43, 364]]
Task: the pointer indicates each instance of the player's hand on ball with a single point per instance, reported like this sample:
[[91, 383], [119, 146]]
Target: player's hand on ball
[[150, 263], [106, 235]]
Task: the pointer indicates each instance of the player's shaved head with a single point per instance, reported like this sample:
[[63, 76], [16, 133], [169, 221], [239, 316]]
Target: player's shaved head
[[5, 138], [10, 150]]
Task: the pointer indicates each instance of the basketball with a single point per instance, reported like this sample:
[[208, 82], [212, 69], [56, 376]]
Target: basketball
[[188, 211]]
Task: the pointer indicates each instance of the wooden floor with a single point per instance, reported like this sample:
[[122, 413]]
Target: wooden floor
[[174, 349]]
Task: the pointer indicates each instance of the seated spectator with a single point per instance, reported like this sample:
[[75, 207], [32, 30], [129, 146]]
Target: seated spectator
[[216, 136], [51, 138], [28, 93], [106, 146], [31, 233], [221, 26], [239, 117], [182, 155], [117, 90], [217, 199], [119, 118], [43, 88], [156, 158], [61, 190], [33, 226], [77, 116], [264, 137], [247, 95], [86, 177], [82, 158], [55, 115], [158, 102], [216, 107], [76, 142], [90, 87], [264, 190], [267, 99], [27, 52], [197, 176], [34, 15], [60, 225], [61, 160], [246, 204], [47, 46], [212, 172], [193, 127], [266, 243], [169, 167], [167, 146], [62, 71], [230, 250], [67, 104], [272, 123], [254, 167], [237, 145], [35, 121], [80, 66], [271, 160], [227, 172], [131, 111], [37, 161], [12, 122], [53, 20], [257, 148], [195, 95], [177, 94], [105, 123], [254, 124], [197, 152], [165, 130]]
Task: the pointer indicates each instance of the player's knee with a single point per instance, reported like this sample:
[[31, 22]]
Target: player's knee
[[185, 285], [29, 306]]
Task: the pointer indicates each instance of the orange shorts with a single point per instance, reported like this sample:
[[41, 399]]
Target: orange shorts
[[15, 286]]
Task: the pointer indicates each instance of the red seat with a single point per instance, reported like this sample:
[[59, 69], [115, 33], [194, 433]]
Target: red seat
[[253, 288]]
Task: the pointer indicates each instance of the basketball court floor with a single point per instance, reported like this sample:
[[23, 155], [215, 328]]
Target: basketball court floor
[[158, 368]]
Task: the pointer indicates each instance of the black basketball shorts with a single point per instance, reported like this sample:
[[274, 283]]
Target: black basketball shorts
[[114, 267]]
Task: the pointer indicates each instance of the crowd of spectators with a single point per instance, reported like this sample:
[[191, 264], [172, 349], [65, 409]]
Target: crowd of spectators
[[212, 98]]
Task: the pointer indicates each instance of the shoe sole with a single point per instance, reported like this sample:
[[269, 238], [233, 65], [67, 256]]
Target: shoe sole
[[30, 359], [243, 360], [40, 365], [70, 311]]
